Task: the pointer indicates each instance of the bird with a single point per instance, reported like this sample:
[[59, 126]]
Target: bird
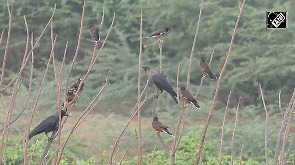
[[159, 33], [76, 85], [50, 124], [188, 97], [161, 82], [94, 32], [206, 69], [159, 127], [70, 97]]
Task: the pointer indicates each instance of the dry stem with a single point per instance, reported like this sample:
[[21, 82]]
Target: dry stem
[[217, 86]]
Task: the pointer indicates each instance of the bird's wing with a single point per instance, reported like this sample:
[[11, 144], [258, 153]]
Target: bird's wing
[[204, 66], [187, 95], [158, 32], [48, 122], [158, 124], [162, 83]]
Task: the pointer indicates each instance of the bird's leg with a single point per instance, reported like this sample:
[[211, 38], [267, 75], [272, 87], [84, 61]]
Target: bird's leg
[[157, 131], [49, 138], [159, 93]]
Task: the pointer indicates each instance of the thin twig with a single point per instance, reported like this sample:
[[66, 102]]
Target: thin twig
[[117, 142], [83, 116], [266, 125], [34, 109], [7, 44], [163, 144], [33, 152], [222, 129], [218, 85], [26, 59], [234, 132], [282, 128], [121, 161], [241, 154], [46, 149], [280, 105], [193, 46], [287, 133], [139, 142], [160, 48]]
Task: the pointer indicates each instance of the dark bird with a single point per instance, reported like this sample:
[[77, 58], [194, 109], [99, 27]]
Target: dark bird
[[188, 97], [48, 125], [206, 69], [94, 32], [159, 127], [159, 33], [161, 82], [76, 85]]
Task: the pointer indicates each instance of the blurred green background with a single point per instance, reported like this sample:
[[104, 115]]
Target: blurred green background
[[259, 56]]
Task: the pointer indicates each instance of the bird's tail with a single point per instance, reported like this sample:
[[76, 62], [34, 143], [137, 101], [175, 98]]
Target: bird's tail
[[30, 136], [196, 104], [174, 97], [147, 37], [166, 130], [211, 75]]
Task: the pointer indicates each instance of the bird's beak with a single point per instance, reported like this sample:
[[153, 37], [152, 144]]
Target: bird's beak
[[144, 68], [206, 58]]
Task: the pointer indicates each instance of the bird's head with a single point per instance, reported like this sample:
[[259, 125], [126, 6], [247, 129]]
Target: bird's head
[[79, 79], [64, 113], [167, 29], [71, 91], [182, 88], [90, 26], [155, 118], [204, 58], [146, 68]]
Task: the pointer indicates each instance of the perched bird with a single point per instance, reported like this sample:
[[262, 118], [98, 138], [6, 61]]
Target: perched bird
[[159, 127], [76, 85], [48, 125], [159, 33], [161, 82], [70, 97], [94, 32], [206, 70], [188, 97]]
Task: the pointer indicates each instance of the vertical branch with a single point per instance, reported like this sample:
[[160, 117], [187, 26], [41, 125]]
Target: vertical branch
[[8, 113], [78, 43], [33, 111], [45, 152], [160, 47], [118, 140], [163, 144], [280, 105], [193, 46], [286, 134], [121, 161], [26, 59], [282, 128], [7, 42], [266, 125], [217, 86], [139, 143], [222, 129], [241, 154], [234, 131]]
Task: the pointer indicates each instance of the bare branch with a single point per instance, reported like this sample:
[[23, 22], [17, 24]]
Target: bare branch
[[218, 85], [282, 128], [121, 161], [266, 125], [234, 131], [26, 59], [139, 142], [117, 142], [222, 129], [163, 144], [241, 154], [193, 46]]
